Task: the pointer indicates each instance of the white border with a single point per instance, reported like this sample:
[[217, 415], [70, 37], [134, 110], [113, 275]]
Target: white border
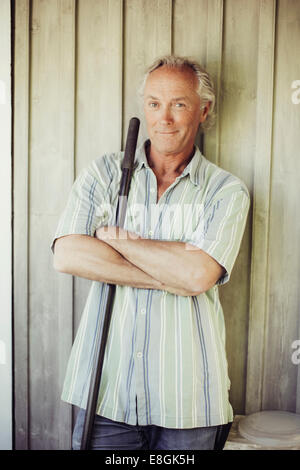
[[5, 229]]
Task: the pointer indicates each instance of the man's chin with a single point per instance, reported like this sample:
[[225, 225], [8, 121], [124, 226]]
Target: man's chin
[[166, 149]]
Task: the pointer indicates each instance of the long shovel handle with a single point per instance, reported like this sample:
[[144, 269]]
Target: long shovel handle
[[101, 339]]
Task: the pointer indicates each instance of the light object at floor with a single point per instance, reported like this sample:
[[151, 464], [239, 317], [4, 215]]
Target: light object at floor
[[272, 428]]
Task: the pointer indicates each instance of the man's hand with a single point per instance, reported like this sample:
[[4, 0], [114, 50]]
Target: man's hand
[[114, 236]]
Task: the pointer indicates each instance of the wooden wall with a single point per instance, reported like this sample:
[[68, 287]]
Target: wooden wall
[[77, 66]]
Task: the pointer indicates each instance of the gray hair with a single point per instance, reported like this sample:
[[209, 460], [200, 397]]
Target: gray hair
[[205, 84]]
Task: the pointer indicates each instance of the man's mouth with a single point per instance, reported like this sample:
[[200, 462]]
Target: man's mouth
[[166, 132]]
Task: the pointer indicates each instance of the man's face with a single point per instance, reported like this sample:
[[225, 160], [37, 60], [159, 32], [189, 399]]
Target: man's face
[[172, 110]]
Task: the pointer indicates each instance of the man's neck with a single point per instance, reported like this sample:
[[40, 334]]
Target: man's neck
[[168, 165]]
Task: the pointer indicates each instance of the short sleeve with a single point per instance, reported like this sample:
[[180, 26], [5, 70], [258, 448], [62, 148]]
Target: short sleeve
[[82, 214], [222, 226]]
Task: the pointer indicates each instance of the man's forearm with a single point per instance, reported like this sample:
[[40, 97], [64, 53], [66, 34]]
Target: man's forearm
[[168, 261], [90, 258], [158, 259], [84, 256]]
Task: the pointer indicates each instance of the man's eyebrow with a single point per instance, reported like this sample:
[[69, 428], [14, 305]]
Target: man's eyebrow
[[179, 98]]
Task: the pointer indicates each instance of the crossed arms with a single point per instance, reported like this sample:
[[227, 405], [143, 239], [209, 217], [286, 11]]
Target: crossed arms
[[116, 256]]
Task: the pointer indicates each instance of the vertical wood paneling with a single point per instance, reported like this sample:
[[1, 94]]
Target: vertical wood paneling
[[51, 175], [214, 49], [190, 28], [261, 202], [282, 322], [237, 115], [99, 79], [147, 35], [20, 196]]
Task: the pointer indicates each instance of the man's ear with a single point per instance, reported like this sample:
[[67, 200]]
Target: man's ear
[[204, 112]]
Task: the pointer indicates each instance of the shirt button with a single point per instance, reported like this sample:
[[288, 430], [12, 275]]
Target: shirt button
[[139, 354], [150, 233], [143, 311]]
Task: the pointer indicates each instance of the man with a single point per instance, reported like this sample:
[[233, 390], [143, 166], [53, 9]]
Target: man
[[165, 381]]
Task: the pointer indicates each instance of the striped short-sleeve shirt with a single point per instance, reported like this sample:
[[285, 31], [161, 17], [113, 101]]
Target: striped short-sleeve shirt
[[165, 361]]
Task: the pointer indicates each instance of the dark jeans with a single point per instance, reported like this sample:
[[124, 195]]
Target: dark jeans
[[112, 435]]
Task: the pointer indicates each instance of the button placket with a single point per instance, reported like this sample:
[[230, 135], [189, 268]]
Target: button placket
[[139, 357], [152, 203]]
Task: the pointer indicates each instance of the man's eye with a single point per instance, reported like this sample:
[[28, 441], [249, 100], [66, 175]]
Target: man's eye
[[179, 105], [153, 105]]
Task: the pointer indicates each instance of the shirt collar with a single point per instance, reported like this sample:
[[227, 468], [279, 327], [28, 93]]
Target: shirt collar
[[192, 169]]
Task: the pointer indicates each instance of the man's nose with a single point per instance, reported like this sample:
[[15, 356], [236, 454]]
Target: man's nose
[[166, 116]]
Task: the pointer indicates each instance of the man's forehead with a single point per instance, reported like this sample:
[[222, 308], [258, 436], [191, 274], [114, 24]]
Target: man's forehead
[[171, 76]]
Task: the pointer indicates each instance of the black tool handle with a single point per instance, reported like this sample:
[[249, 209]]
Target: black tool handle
[[101, 339], [131, 140]]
